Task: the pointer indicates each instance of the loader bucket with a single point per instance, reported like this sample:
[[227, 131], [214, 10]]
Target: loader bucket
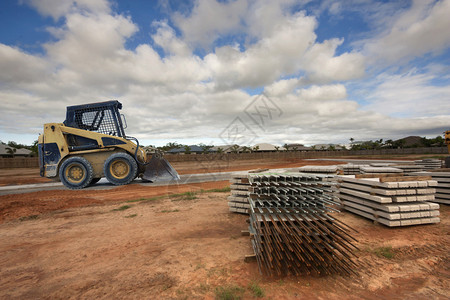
[[159, 169]]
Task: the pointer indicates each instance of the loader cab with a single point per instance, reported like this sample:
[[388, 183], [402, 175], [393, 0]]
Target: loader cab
[[101, 117]]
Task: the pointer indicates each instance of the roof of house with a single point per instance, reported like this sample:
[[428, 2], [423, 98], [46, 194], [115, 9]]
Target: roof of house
[[192, 148], [298, 147], [267, 147], [21, 152]]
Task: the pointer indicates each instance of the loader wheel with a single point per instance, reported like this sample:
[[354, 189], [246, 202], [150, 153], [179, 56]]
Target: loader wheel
[[120, 168], [76, 172]]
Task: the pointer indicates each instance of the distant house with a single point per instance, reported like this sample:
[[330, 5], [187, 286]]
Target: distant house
[[265, 147], [297, 147], [190, 149], [5, 152], [225, 148]]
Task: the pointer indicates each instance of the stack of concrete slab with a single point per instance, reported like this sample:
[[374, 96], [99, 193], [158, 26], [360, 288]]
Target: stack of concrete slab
[[392, 201], [409, 168], [238, 200], [429, 164], [443, 187], [381, 164], [319, 169], [378, 170], [351, 169]]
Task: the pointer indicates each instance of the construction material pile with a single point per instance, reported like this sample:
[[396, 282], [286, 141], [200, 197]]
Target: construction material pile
[[352, 169], [390, 200], [442, 177], [406, 169], [429, 164], [292, 231], [377, 170], [319, 169], [238, 200]]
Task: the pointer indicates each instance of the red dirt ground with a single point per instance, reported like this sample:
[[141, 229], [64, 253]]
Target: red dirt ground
[[159, 242]]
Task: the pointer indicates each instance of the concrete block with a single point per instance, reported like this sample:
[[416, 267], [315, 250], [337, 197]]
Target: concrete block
[[389, 223], [366, 195], [442, 191], [385, 207], [442, 196], [368, 189], [425, 191], [442, 201], [409, 184]]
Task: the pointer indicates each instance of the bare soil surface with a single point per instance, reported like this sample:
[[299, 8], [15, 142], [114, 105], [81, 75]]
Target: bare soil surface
[[181, 242]]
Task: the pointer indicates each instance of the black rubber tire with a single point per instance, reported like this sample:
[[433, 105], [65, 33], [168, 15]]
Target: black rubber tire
[[76, 172], [95, 180], [120, 168]]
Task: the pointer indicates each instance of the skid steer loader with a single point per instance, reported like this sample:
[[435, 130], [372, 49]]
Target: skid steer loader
[[91, 144]]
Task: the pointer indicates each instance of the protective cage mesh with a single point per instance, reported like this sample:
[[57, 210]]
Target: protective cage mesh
[[99, 119]]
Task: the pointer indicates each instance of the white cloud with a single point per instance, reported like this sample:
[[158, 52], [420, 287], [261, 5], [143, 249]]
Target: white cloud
[[31, 67], [323, 66], [59, 8], [210, 19], [421, 29], [409, 95], [282, 87], [273, 56], [179, 95]]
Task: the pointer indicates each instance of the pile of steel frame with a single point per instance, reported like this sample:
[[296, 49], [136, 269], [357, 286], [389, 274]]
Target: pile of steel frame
[[291, 229]]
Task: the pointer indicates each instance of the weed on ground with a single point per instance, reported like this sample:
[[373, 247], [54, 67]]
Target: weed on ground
[[257, 291], [170, 210], [131, 216], [123, 207], [28, 218], [385, 251], [222, 190], [183, 196], [229, 292]]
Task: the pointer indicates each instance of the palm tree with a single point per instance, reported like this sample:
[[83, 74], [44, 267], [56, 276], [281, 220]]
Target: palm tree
[[234, 148], [11, 151], [187, 149]]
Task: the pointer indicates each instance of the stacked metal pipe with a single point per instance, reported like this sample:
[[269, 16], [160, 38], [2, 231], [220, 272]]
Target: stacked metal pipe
[[292, 231]]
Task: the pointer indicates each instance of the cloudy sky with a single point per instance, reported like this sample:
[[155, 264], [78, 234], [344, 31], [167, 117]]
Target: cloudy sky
[[222, 72]]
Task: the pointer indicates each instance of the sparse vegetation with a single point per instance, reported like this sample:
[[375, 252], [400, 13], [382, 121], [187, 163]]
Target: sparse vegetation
[[230, 292], [191, 195], [123, 207], [203, 288], [257, 291], [131, 216], [220, 190], [200, 266], [184, 196], [147, 199], [385, 251], [28, 218], [169, 210]]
